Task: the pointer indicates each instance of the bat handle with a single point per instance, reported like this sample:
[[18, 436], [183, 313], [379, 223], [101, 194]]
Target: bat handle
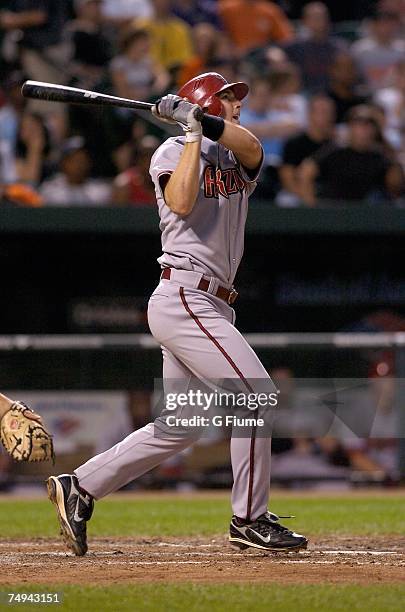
[[198, 114]]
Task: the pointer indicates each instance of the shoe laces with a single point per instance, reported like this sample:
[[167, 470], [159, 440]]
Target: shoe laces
[[269, 522]]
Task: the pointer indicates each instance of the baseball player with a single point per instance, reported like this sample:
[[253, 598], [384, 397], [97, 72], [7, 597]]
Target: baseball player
[[202, 181]]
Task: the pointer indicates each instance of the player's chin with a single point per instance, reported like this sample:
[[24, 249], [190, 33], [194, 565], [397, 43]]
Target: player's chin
[[236, 120]]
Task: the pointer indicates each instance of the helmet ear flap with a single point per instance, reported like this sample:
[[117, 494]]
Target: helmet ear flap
[[213, 106]]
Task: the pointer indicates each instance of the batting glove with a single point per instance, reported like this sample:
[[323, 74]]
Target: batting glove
[[174, 109]]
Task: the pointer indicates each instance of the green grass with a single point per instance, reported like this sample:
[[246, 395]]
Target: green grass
[[218, 598], [175, 516], [166, 515]]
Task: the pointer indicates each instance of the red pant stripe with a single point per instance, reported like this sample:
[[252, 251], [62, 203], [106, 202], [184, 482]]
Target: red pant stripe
[[241, 376]]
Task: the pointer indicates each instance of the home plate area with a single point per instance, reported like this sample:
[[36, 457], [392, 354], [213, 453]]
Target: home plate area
[[110, 561]]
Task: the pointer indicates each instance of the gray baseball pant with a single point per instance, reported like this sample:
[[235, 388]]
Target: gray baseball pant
[[198, 339]]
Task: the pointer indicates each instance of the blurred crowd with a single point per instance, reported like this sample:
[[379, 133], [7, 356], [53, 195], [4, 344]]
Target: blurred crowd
[[326, 433], [327, 95]]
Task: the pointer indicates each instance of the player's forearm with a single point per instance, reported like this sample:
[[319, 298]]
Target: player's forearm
[[182, 189], [243, 144]]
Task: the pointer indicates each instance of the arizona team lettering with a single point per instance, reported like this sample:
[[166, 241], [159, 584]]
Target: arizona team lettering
[[222, 182]]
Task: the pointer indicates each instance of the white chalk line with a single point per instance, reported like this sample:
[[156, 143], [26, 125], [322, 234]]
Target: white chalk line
[[160, 563], [214, 554], [173, 545], [310, 552], [356, 552], [319, 552], [131, 549]]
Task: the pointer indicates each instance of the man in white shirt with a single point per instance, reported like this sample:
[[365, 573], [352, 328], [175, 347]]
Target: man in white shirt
[[122, 10], [72, 186], [377, 54]]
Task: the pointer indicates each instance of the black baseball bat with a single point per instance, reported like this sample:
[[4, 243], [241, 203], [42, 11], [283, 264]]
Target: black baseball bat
[[73, 95]]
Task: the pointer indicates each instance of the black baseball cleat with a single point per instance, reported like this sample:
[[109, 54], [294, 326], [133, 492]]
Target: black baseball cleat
[[74, 510], [265, 533]]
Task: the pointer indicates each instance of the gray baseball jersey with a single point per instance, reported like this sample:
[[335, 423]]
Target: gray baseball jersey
[[196, 329], [211, 238]]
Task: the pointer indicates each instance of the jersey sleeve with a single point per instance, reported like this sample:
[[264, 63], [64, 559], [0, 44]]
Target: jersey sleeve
[[249, 175], [163, 163]]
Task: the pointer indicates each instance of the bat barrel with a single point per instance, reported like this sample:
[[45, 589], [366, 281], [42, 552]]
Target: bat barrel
[[61, 93], [43, 91]]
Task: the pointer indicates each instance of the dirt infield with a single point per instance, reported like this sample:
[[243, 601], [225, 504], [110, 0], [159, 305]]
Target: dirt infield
[[338, 560]]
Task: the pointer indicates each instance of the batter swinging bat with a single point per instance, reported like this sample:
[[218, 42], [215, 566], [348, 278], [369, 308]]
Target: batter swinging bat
[[73, 95]]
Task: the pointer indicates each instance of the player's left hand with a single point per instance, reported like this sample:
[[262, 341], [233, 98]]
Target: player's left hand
[[24, 436], [174, 109], [163, 108]]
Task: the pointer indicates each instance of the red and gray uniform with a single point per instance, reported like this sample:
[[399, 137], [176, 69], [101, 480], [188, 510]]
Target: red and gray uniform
[[195, 328], [210, 239]]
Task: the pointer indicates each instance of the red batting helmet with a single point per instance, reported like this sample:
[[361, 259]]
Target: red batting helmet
[[204, 89]]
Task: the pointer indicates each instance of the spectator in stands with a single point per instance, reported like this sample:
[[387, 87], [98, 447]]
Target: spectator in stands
[[340, 11], [392, 100], [134, 73], [123, 154], [134, 187], [389, 141], [121, 12], [43, 53], [378, 53], [7, 159], [91, 50], [392, 6], [32, 150], [171, 37], [19, 194], [315, 52], [12, 105], [211, 51], [254, 23], [275, 110], [320, 132], [73, 185], [344, 87], [357, 172], [263, 61], [195, 12]]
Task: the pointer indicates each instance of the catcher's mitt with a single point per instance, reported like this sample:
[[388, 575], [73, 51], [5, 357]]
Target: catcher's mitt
[[24, 436]]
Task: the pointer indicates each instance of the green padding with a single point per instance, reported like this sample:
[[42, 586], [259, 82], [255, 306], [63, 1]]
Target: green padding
[[263, 218]]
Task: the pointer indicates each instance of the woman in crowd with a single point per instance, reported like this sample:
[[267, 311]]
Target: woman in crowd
[[134, 73]]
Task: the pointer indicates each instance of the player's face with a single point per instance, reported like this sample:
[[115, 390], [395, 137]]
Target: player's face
[[230, 106]]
